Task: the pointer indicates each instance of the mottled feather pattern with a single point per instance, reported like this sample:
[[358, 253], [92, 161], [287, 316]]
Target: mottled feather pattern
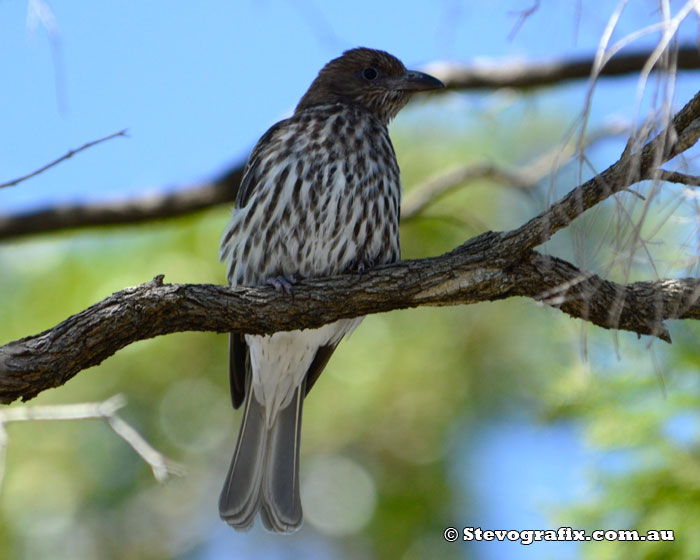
[[331, 168]]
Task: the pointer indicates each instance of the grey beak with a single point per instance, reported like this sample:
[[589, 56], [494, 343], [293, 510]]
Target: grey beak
[[413, 80]]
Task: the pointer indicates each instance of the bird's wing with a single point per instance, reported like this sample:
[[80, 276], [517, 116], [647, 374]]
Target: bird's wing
[[323, 354], [238, 349], [250, 173], [238, 365]]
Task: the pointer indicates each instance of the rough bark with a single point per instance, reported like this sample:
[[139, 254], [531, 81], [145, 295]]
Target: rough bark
[[475, 272]]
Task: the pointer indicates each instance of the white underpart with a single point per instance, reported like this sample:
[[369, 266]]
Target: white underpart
[[280, 361]]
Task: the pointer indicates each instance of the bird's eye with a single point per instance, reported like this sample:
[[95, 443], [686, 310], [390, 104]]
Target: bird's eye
[[369, 73]]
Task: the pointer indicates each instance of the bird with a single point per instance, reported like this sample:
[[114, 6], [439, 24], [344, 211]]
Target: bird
[[320, 196]]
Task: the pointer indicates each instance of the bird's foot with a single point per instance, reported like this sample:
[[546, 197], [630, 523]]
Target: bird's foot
[[285, 283], [364, 265]]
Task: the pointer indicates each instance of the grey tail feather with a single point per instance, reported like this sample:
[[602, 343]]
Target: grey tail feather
[[240, 497], [264, 472]]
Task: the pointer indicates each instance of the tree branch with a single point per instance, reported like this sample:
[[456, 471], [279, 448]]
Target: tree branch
[[141, 209], [477, 271], [524, 75], [191, 198], [437, 187]]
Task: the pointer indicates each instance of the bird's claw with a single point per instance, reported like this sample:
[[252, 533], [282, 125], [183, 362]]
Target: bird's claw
[[364, 265], [285, 283]]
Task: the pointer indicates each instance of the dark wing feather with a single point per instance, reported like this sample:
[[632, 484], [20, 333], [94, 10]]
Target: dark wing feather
[[323, 354], [238, 349], [247, 183], [250, 173], [237, 367]]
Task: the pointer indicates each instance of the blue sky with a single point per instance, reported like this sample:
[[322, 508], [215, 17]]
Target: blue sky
[[196, 84]]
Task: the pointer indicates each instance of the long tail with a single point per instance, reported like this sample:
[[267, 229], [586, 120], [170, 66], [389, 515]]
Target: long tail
[[264, 472]]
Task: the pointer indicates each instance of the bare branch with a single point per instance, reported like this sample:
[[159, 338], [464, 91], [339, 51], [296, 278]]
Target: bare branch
[[607, 304], [64, 157], [135, 210], [162, 467], [480, 270], [434, 189], [523, 75]]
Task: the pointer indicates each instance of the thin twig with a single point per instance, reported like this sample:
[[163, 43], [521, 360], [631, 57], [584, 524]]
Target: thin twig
[[675, 177], [162, 467], [64, 157], [523, 15]]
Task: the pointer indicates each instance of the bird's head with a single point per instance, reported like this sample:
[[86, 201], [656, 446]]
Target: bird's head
[[372, 79]]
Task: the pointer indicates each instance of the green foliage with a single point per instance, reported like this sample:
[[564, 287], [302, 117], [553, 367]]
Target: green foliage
[[645, 424]]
